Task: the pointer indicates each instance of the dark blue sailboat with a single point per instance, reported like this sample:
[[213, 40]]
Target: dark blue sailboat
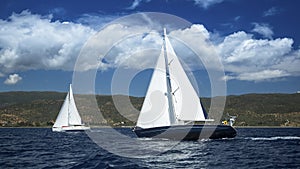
[[172, 105]]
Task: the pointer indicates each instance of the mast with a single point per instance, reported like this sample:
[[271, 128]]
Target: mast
[[69, 101], [169, 87]]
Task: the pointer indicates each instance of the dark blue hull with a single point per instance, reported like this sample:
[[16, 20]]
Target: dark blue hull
[[187, 132]]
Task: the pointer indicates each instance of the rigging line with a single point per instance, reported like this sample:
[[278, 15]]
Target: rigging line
[[173, 93], [175, 90], [170, 62]]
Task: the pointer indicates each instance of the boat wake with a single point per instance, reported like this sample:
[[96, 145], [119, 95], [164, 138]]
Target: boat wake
[[274, 138], [153, 139]]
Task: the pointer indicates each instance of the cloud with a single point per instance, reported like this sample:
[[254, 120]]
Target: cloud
[[30, 41], [207, 3], [290, 63], [260, 75], [137, 51], [263, 29], [249, 59], [237, 48], [95, 21], [270, 12], [237, 18], [244, 57], [126, 46], [139, 46], [13, 79], [196, 38], [136, 3], [58, 11]]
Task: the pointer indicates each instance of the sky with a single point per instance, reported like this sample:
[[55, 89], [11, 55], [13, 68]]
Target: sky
[[257, 42]]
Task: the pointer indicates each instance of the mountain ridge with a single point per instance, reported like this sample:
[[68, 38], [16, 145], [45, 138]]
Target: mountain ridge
[[35, 109]]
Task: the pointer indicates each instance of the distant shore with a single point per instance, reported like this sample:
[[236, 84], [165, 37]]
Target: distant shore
[[40, 109]]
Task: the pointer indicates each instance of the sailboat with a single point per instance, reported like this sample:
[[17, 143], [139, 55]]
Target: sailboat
[[68, 118], [172, 106]]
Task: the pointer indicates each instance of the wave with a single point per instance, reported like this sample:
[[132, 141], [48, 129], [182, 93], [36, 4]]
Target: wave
[[275, 138]]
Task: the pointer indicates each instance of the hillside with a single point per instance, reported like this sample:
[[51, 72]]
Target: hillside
[[41, 108], [265, 109]]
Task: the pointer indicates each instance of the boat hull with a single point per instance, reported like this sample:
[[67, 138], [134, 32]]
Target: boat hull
[[187, 132], [70, 128]]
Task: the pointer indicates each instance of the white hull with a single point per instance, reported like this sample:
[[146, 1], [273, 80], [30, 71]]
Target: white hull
[[70, 128]]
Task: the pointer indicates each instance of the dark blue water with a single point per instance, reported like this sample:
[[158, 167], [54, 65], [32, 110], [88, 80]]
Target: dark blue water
[[252, 148]]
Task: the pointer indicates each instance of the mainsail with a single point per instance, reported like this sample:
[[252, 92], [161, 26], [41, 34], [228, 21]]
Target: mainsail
[[171, 98], [187, 105]]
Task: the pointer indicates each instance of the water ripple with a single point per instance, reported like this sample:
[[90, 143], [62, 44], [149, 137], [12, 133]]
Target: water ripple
[[252, 148]]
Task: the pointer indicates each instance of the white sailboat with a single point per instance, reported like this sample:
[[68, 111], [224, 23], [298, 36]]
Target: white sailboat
[[171, 104], [68, 118]]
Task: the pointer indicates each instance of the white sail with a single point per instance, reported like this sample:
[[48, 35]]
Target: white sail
[[155, 112], [186, 102], [62, 117], [74, 117]]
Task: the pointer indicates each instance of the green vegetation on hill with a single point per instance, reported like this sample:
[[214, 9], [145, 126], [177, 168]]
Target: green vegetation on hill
[[29, 108], [41, 109], [265, 109]]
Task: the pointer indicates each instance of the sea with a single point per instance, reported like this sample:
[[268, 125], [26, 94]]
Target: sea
[[251, 148]]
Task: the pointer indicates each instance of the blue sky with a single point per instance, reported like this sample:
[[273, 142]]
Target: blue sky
[[258, 42]]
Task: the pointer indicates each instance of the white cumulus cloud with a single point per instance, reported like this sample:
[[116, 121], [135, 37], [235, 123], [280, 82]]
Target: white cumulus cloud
[[30, 41], [243, 56], [247, 58], [12, 79]]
